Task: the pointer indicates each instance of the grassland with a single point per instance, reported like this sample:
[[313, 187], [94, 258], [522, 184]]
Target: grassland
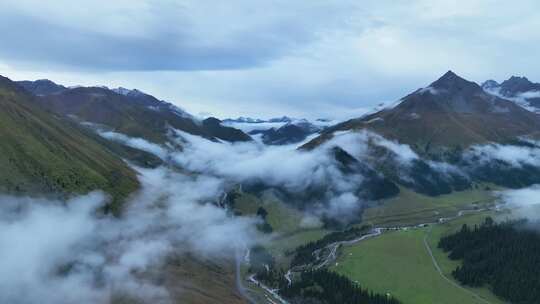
[[410, 208], [398, 263]]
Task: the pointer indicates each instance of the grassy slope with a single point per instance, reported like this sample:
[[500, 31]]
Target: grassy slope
[[40, 153], [285, 222], [399, 263]]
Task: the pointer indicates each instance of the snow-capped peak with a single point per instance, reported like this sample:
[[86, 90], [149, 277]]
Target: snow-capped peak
[[126, 92]]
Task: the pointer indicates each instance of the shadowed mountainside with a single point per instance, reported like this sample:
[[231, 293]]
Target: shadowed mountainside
[[133, 113]]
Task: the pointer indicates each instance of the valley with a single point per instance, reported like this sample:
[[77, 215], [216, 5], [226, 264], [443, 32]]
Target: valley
[[269, 152], [285, 214], [411, 276]]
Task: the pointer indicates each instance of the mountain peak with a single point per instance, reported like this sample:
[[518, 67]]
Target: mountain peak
[[451, 81], [41, 86], [517, 81], [490, 84], [128, 92], [450, 74]]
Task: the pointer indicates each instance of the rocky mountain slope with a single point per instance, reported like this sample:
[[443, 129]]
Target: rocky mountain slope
[[518, 89], [451, 113]]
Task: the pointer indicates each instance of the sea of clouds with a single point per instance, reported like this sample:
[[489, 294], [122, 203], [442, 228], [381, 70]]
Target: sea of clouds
[[68, 251]]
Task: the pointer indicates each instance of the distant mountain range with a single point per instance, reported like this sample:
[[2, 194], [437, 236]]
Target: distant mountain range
[[130, 112], [518, 89], [279, 131]]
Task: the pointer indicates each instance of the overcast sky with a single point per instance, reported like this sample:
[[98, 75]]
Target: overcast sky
[[310, 58]]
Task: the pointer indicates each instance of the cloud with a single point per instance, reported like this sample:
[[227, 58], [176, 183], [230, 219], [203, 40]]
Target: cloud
[[530, 94], [523, 203], [90, 258], [171, 35], [521, 99], [138, 143], [314, 179], [522, 197], [517, 156], [36, 238]]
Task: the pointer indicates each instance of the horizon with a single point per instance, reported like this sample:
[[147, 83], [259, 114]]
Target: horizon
[[365, 111]]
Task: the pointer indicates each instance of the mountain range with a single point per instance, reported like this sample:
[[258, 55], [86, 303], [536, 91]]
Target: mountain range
[[131, 112], [518, 89], [46, 147], [279, 131]]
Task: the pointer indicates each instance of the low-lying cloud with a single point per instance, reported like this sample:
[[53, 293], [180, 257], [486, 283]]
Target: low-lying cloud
[[87, 257], [137, 143], [525, 197], [67, 252], [522, 203], [517, 156]]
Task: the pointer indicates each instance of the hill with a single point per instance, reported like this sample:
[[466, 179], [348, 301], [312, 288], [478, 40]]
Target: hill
[[43, 153]]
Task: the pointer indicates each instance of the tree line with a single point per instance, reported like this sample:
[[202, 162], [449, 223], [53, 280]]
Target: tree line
[[504, 256], [326, 287]]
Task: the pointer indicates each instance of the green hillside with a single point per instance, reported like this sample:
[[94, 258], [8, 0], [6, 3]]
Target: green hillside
[[41, 153]]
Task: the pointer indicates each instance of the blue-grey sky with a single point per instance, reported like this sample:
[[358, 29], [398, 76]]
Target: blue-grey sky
[[310, 58]]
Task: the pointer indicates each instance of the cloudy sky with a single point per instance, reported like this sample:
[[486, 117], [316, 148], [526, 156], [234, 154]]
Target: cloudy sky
[[313, 58]]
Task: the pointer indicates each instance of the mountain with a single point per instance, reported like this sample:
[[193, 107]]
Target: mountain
[[518, 89], [43, 153], [450, 113], [280, 130], [214, 127], [284, 119], [42, 87], [290, 133], [133, 113], [243, 119]]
